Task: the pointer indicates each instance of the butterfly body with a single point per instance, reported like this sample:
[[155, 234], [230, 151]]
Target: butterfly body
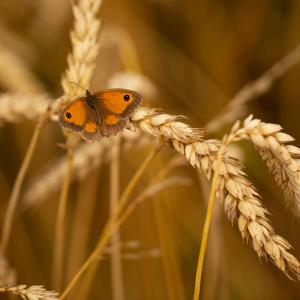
[[100, 114]]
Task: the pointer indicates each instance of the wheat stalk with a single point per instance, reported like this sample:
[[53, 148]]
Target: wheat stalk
[[209, 215], [241, 200], [116, 263], [34, 292]]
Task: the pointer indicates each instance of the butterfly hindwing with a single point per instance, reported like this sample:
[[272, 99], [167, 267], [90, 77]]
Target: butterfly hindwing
[[91, 130], [112, 124]]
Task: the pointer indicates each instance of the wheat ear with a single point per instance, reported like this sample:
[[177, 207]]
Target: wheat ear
[[281, 157], [34, 292], [85, 44], [241, 200]]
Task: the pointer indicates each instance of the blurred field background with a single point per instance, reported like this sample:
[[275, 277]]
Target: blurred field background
[[194, 56]]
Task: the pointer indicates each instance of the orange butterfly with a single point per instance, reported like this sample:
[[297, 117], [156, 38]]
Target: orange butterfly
[[100, 114]]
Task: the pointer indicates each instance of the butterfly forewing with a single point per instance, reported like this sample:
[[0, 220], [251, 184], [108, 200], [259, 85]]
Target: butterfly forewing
[[74, 115], [120, 102]]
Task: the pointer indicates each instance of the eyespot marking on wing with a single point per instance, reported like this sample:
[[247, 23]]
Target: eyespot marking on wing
[[75, 113], [119, 101]]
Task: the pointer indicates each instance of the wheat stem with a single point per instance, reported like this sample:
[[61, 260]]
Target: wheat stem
[[14, 197], [116, 263], [59, 244], [208, 219], [112, 222]]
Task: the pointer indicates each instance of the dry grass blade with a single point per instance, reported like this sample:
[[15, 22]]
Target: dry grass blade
[[34, 292], [241, 201], [17, 107], [236, 107]]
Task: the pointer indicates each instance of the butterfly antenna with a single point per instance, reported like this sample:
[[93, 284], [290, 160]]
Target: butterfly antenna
[[71, 82]]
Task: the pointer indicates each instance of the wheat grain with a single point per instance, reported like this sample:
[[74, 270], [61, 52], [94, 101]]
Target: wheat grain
[[34, 292], [241, 200]]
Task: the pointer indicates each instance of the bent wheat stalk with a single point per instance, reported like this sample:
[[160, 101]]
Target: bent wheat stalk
[[241, 200], [206, 226]]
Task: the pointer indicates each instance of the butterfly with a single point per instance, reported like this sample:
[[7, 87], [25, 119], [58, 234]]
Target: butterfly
[[100, 114]]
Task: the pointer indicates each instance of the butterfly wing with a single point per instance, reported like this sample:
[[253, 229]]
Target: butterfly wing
[[74, 115], [115, 106], [77, 116]]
